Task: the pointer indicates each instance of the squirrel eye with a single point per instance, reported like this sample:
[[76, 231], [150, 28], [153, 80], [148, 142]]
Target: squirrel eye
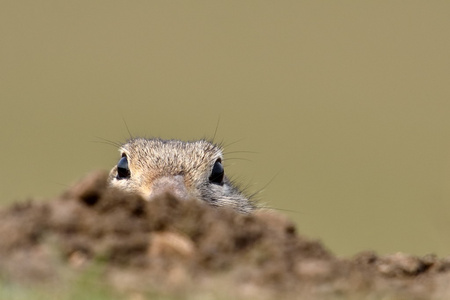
[[217, 173], [122, 168]]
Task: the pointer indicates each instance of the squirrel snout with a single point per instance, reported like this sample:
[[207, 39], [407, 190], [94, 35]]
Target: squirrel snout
[[168, 184]]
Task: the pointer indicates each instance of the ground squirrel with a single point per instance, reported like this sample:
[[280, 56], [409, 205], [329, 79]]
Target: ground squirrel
[[152, 167]]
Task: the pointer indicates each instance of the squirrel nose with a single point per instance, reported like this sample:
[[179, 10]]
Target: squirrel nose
[[169, 184]]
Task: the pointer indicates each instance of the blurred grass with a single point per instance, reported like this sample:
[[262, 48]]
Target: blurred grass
[[86, 285], [89, 284]]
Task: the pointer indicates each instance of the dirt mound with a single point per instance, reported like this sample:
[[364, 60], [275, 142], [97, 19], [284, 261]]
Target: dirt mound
[[174, 247]]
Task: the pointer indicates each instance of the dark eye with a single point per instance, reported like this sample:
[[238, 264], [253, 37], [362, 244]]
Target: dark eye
[[122, 168], [217, 173]]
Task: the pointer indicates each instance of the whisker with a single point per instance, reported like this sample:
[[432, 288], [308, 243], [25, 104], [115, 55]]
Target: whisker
[[239, 151], [237, 158], [107, 142], [128, 129], [217, 127], [232, 143], [266, 185], [281, 209], [60, 184]]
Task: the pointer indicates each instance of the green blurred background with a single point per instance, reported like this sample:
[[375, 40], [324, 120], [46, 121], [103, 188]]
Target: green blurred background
[[345, 104]]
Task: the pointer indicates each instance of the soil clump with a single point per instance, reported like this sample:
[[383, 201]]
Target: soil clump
[[176, 247]]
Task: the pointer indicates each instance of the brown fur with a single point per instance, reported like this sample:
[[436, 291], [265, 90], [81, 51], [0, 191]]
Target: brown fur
[[180, 168]]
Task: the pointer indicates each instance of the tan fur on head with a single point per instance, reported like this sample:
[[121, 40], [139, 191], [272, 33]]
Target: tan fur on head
[[152, 167]]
